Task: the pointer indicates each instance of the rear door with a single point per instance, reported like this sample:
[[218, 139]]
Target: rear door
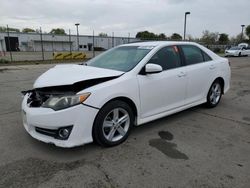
[[200, 71], [248, 50], [166, 90]]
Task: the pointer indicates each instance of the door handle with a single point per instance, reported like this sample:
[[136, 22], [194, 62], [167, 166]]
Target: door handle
[[211, 67], [181, 74]]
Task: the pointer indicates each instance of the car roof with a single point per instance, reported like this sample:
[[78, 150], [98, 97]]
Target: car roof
[[158, 43]]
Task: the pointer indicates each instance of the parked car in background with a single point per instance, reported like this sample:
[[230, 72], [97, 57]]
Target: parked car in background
[[238, 51], [126, 86]]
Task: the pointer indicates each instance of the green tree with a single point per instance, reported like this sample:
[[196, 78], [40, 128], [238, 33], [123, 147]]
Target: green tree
[[176, 36], [237, 39], [209, 37], [162, 36], [145, 35], [58, 31], [248, 31], [223, 39], [3, 29], [28, 30], [103, 35], [11, 29]]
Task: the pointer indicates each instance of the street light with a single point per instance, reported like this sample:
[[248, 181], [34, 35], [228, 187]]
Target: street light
[[77, 24], [242, 31], [186, 13]]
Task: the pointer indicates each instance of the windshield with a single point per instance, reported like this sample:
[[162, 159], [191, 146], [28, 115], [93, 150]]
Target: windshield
[[123, 58], [235, 48]]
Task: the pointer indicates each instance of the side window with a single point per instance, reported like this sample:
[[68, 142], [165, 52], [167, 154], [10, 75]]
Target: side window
[[192, 54], [206, 57], [168, 57]]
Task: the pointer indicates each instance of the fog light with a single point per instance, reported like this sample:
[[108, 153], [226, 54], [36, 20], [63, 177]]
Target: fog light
[[63, 133]]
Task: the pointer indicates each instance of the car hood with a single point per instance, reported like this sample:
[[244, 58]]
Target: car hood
[[70, 74]]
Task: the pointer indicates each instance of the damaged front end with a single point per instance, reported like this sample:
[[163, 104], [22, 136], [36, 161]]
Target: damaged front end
[[61, 97], [38, 97]]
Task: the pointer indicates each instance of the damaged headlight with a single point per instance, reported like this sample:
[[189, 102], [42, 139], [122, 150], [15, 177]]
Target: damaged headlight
[[62, 102]]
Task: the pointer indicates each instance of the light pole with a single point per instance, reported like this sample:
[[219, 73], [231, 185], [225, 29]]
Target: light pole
[[77, 24], [242, 31], [185, 23]]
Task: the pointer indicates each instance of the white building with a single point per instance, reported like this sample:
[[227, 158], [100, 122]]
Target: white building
[[35, 41]]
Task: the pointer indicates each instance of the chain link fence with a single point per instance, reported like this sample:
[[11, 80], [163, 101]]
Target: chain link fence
[[16, 46]]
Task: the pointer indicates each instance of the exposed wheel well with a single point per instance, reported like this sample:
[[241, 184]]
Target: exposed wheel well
[[221, 80]]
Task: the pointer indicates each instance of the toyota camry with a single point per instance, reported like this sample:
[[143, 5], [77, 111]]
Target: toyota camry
[[129, 85]]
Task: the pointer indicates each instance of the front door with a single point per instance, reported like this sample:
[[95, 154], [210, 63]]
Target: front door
[[166, 90]]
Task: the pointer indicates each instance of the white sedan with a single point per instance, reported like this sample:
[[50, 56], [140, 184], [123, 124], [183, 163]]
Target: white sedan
[[126, 86], [238, 51]]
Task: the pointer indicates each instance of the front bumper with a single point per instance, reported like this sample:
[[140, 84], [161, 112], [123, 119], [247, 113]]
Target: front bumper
[[81, 117], [231, 53]]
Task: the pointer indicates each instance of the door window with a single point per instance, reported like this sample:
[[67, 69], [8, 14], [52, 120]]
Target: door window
[[167, 57], [192, 54]]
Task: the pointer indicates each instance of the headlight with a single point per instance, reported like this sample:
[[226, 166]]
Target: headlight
[[62, 102]]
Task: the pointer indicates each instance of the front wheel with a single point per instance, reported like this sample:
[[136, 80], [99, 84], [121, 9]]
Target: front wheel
[[214, 94], [113, 123]]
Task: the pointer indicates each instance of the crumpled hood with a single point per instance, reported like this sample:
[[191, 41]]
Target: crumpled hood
[[70, 74]]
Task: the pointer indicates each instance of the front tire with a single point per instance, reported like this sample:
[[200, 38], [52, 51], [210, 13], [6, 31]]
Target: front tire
[[113, 123], [214, 94]]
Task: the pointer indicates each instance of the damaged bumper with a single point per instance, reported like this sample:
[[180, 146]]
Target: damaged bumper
[[44, 124]]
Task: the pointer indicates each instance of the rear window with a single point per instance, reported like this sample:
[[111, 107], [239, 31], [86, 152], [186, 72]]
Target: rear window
[[206, 57], [192, 54]]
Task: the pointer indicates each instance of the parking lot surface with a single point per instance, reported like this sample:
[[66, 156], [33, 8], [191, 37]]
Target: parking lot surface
[[198, 147]]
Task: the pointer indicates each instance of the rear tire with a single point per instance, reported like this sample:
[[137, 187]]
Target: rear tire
[[113, 123], [214, 94]]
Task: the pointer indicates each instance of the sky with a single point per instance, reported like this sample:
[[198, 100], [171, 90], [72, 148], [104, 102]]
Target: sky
[[127, 16]]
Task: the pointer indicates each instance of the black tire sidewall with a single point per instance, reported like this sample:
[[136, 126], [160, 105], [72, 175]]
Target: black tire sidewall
[[98, 123]]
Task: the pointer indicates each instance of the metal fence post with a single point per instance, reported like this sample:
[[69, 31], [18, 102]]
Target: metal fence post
[[112, 39], [8, 32], [70, 50], [42, 42], [93, 43]]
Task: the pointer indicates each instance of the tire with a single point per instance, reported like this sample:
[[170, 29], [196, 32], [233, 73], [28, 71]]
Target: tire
[[214, 94], [239, 54], [113, 123]]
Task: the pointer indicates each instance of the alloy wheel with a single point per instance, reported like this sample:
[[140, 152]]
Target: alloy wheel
[[116, 124]]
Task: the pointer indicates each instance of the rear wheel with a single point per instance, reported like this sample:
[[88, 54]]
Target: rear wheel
[[214, 94], [113, 123]]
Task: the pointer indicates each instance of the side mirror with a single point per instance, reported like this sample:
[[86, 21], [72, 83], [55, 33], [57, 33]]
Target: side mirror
[[152, 68]]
